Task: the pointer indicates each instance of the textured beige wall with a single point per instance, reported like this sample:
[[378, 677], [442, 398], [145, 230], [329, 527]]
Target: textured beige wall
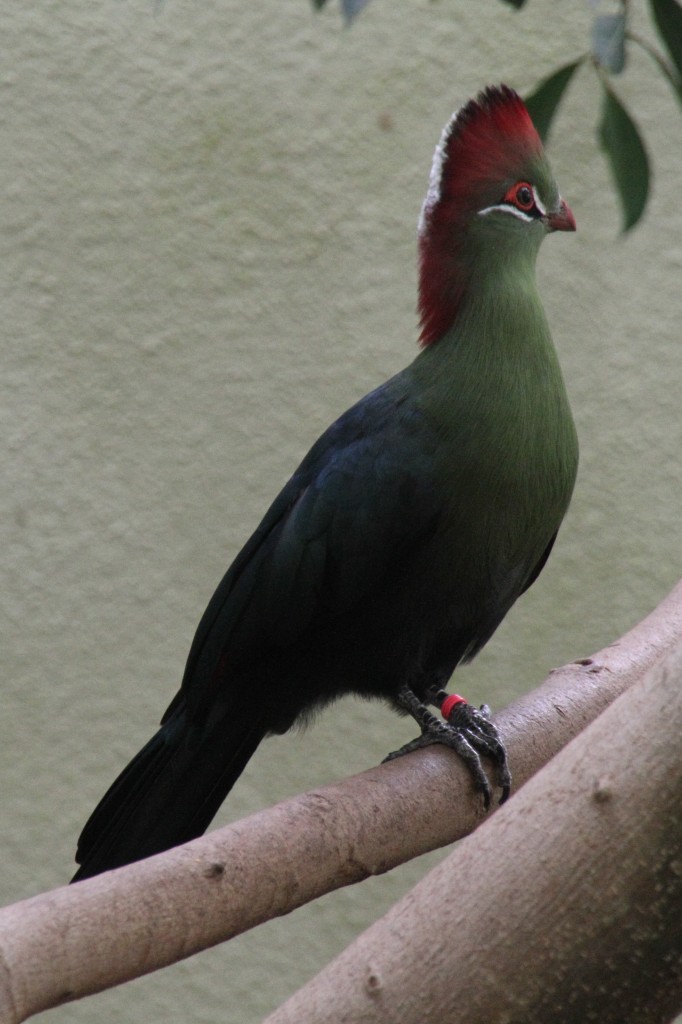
[[207, 229]]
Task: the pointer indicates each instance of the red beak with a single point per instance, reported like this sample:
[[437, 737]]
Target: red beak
[[563, 219]]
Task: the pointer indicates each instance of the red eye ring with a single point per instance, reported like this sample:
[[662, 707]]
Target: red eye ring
[[522, 196]]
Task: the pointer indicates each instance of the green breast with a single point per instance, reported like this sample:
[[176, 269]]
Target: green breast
[[494, 390]]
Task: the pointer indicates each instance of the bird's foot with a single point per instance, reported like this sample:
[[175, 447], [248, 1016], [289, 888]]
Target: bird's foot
[[466, 730]]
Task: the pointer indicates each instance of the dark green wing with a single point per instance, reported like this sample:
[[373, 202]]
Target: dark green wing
[[361, 497]]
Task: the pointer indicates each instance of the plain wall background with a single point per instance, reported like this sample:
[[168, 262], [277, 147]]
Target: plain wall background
[[207, 232]]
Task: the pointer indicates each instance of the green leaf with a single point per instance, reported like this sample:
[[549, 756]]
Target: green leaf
[[542, 103], [608, 42], [622, 143], [668, 17], [668, 70]]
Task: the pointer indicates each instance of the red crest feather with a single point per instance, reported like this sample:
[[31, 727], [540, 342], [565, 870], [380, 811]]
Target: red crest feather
[[487, 137]]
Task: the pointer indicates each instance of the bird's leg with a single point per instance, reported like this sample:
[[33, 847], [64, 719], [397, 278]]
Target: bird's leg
[[467, 730], [477, 725]]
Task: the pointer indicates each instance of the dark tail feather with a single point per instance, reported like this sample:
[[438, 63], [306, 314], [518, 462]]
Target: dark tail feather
[[169, 793]]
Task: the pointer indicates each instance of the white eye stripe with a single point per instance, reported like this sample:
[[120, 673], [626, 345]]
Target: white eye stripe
[[521, 214], [505, 208]]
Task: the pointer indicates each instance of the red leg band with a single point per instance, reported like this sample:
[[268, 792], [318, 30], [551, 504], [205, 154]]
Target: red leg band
[[449, 704]]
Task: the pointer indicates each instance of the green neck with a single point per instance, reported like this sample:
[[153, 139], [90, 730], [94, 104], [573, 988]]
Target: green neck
[[501, 330], [493, 390]]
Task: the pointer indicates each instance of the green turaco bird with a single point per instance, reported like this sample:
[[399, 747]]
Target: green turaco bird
[[411, 526]]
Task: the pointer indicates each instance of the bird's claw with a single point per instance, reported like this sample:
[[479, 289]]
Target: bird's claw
[[475, 728], [469, 732]]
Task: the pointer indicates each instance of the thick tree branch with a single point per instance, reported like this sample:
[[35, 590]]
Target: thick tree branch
[[78, 940], [566, 906]]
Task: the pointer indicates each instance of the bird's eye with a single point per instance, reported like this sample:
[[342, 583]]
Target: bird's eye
[[522, 196]]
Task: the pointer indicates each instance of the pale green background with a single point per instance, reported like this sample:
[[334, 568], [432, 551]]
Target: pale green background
[[207, 226]]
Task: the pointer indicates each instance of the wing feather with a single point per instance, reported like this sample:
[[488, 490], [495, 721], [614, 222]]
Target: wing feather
[[363, 495]]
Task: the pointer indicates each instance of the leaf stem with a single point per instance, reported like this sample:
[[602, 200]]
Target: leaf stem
[[663, 64]]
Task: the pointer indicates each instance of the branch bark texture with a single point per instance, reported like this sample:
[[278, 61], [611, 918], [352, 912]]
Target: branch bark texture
[[78, 940], [565, 906]]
